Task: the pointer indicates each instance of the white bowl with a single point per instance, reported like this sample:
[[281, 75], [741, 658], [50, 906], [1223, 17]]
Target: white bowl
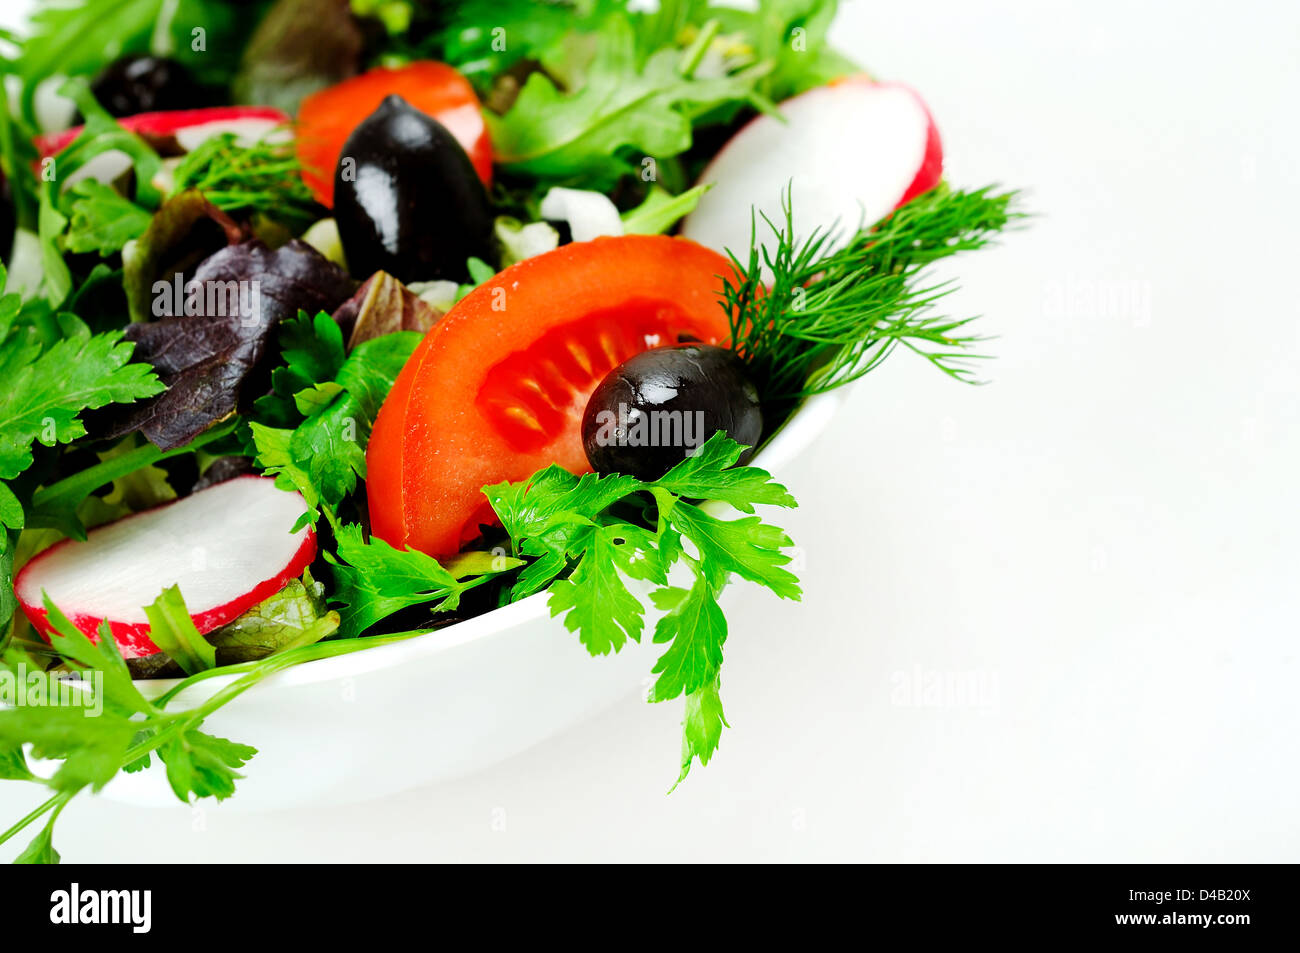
[[384, 720]]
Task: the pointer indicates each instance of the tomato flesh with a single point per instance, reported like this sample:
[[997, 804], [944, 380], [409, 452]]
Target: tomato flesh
[[327, 118], [497, 389]]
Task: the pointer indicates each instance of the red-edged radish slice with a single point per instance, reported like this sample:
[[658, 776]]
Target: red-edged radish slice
[[852, 152], [228, 547], [190, 127]]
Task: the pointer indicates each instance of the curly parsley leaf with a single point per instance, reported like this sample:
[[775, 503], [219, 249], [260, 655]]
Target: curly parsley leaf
[[203, 765], [103, 220], [47, 389], [90, 747], [372, 580], [594, 600], [701, 728], [695, 629], [710, 474], [588, 555], [326, 405]]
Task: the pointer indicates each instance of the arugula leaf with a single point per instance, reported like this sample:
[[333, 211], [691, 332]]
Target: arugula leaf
[[46, 391], [623, 105], [172, 629], [661, 210], [792, 36]]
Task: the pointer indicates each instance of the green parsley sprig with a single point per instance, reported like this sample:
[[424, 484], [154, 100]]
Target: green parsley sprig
[[585, 553], [131, 729]]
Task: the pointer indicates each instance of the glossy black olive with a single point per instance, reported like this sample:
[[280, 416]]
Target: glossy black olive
[[407, 199], [145, 84], [652, 410]]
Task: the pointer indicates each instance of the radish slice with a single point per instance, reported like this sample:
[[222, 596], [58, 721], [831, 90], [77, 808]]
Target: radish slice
[[190, 127], [228, 547], [852, 152]]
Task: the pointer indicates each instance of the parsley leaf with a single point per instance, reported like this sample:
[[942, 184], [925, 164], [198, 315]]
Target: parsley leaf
[[46, 390], [575, 543], [103, 220], [41, 849], [695, 628], [91, 747], [594, 600], [326, 405], [203, 764], [701, 727], [373, 580]]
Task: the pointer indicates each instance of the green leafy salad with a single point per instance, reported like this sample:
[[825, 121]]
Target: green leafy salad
[[328, 325]]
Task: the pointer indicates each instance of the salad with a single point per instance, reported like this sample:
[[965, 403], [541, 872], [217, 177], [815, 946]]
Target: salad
[[327, 325]]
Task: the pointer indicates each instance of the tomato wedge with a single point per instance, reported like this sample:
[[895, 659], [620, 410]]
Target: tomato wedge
[[327, 118], [497, 389]]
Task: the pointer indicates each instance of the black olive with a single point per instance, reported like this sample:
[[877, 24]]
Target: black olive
[[407, 199], [145, 84], [652, 410]]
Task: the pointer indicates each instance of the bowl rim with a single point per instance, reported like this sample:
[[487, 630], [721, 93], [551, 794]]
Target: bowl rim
[[793, 437]]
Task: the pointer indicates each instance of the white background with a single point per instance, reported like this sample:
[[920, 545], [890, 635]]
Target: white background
[[1104, 536]]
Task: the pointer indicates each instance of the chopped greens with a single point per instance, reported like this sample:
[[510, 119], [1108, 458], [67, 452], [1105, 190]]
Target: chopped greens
[[124, 391], [621, 114]]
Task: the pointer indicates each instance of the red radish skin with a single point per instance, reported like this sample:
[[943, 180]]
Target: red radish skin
[[220, 118], [878, 149], [132, 637]]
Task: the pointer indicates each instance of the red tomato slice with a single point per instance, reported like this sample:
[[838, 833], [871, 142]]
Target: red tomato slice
[[497, 389], [327, 118]]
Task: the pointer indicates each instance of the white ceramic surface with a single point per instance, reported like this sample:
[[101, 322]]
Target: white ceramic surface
[[374, 723]]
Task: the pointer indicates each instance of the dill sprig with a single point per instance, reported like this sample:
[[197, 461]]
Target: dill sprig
[[817, 317], [247, 179]]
